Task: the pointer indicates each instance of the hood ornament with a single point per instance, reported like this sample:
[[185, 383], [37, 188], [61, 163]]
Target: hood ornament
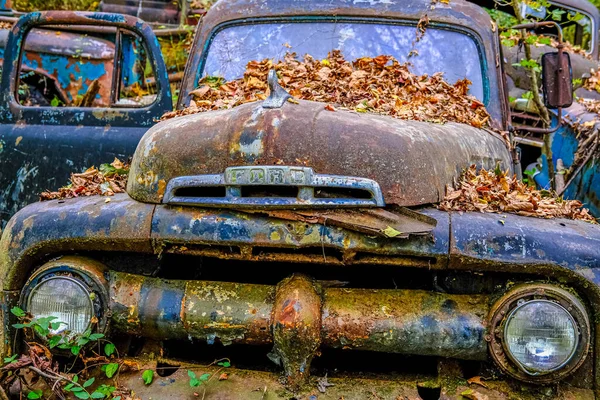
[[278, 95]]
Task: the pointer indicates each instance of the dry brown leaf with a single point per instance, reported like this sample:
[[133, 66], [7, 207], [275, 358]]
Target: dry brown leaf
[[378, 85], [496, 191], [473, 395], [93, 182], [476, 380]]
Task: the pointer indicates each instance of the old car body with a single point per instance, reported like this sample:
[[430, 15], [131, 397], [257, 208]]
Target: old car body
[[260, 234], [42, 145]]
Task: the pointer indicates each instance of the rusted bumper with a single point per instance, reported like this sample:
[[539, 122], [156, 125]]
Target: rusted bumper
[[299, 315]]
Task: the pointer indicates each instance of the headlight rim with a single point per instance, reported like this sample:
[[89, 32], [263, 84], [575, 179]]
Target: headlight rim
[[87, 272], [509, 302], [50, 277]]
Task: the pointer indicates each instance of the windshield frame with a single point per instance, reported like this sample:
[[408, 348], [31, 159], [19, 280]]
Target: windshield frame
[[349, 19]]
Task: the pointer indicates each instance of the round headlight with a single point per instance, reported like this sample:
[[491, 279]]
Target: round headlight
[[64, 298], [540, 336], [538, 333], [73, 290]]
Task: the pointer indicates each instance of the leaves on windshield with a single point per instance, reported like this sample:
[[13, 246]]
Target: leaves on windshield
[[378, 85], [496, 191]]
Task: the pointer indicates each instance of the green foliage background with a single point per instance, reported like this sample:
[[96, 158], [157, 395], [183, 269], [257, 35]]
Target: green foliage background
[[34, 5]]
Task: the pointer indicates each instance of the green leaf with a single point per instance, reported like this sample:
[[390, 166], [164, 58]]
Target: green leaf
[[82, 341], [391, 232], [75, 379], [204, 377], [75, 350], [529, 64], [17, 312], [527, 96], [34, 394], [224, 364], [55, 325], [109, 349], [545, 40], [96, 336], [105, 389], [194, 382], [89, 382], [111, 369], [147, 376], [55, 102], [54, 341], [107, 169], [20, 326], [98, 395], [68, 387], [82, 395], [10, 360], [557, 14], [498, 170]]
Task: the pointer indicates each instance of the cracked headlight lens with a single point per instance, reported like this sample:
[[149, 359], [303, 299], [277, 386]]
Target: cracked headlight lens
[[540, 336], [64, 298]]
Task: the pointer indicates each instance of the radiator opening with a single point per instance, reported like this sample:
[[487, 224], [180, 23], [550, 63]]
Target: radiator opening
[[201, 192], [342, 193], [270, 191]]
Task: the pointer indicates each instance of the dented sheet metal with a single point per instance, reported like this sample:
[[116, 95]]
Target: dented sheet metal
[[343, 143], [396, 222]]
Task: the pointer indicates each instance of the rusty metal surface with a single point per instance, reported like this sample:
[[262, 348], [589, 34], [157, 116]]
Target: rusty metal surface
[[11, 111], [480, 241], [564, 250], [67, 226], [298, 314], [73, 60], [165, 12], [252, 187], [384, 149], [457, 13], [238, 235], [41, 146], [403, 221]]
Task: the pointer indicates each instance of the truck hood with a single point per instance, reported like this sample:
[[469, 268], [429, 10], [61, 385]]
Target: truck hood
[[412, 161]]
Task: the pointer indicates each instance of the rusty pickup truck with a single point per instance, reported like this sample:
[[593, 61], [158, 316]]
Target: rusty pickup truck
[[257, 234]]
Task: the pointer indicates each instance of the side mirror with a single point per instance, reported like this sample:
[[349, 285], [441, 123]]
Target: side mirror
[[557, 80]]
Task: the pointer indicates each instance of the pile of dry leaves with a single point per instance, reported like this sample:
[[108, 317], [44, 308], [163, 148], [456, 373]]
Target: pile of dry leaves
[[377, 85], [593, 82], [106, 180], [497, 191]]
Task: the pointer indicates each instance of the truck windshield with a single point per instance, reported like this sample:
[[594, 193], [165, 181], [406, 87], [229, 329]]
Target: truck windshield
[[439, 50]]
